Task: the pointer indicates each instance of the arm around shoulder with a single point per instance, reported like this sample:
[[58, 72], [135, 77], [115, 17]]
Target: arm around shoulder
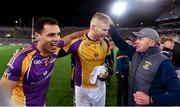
[[74, 35], [121, 43]]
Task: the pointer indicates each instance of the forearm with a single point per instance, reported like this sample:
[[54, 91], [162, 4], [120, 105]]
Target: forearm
[[8, 85], [78, 34], [74, 35], [120, 43]]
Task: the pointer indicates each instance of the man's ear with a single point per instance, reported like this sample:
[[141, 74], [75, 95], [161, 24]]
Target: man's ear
[[37, 36], [93, 27], [152, 43]]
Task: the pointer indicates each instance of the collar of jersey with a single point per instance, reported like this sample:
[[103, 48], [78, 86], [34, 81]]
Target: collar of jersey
[[38, 52], [91, 41]]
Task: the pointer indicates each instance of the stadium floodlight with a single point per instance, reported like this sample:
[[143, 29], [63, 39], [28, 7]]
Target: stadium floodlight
[[16, 21], [119, 8]]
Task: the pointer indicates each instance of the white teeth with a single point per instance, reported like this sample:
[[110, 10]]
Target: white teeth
[[54, 44]]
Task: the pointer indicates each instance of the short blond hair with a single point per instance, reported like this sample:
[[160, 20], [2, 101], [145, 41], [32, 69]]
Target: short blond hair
[[162, 39], [168, 39], [100, 17]]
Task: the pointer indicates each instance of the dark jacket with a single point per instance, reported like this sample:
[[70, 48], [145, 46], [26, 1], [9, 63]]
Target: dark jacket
[[167, 52], [144, 69], [122, 63], [176, 54], [165, 87]]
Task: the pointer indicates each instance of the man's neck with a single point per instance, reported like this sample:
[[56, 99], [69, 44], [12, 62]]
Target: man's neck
[[91, 36], [43, 53]]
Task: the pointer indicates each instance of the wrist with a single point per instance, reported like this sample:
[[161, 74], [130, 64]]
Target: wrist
[[150, 100]]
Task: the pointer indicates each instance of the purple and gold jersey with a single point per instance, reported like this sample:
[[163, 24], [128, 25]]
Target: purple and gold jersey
[[88, 54], [32, 71]]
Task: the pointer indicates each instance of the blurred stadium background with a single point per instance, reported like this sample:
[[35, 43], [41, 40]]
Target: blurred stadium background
[[60, 93]]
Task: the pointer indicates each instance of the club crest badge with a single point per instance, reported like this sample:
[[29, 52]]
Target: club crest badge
[[45, 73], [147, 65], [87, 44], [95, 54], [52, 59]]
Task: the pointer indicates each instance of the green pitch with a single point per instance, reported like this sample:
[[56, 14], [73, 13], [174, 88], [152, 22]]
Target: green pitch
[[60, 93]]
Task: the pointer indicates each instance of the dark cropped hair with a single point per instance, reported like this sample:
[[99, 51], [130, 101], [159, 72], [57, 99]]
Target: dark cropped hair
[[39, 24]]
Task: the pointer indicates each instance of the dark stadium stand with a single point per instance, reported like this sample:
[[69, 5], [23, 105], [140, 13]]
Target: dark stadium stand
[[21, 35], [169, 21]]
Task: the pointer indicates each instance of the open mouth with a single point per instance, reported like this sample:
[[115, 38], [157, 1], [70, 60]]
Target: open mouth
[[101, 37], [54, 45]]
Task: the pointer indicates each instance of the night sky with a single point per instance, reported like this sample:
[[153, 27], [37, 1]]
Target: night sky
[[79, 12]]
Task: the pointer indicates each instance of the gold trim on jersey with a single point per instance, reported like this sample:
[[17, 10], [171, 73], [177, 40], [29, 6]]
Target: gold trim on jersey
[[18, 96], [17, 53], [91, 54], [57, 51]]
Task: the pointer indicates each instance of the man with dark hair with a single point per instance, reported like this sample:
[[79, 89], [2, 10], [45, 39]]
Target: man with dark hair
[[28, 72], [153, 80]]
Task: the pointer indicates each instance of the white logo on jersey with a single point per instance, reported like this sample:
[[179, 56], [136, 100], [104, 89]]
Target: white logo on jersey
[[52, 60], [8, 73], [47, 76], [45, 73], [37, 62]]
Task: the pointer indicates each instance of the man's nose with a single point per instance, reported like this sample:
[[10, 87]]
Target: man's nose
[[56, 38]]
